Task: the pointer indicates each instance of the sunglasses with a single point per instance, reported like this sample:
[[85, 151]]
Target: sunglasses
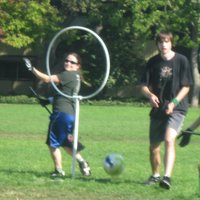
[[72, 62]]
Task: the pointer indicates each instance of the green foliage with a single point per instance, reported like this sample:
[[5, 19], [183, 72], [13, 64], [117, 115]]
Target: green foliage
[[21, 99], [125, 26], [27, 22]]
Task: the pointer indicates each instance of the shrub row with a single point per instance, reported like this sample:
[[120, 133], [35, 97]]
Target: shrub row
[[23, 99]]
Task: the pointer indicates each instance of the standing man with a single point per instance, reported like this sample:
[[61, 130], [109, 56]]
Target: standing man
[[166, 82]]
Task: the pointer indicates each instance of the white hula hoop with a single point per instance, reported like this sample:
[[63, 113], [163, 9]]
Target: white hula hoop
[[107, 57]]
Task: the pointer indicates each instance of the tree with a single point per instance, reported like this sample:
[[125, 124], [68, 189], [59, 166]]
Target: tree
[[125, 26], [28, 23]]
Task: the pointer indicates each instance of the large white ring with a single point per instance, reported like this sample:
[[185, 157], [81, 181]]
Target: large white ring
[[107, 57]]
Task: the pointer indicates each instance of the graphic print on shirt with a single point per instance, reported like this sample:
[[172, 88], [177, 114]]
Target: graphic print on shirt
[[166, 72], [165, 77]]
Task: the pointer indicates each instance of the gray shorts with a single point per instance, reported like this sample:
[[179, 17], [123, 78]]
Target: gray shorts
[[158, 127]]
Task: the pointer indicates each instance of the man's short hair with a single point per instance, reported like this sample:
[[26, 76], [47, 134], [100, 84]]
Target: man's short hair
[[163, 35]]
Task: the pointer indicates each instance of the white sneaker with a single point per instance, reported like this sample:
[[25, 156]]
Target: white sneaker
[[85, 168], [57, 173]]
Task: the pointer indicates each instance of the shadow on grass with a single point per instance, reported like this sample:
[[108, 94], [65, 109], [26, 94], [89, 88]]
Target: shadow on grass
[[112, 180], [31, 173], [24, 172]]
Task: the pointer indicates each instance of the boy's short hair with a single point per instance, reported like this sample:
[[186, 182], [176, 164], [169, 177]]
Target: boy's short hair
[[161, 36]]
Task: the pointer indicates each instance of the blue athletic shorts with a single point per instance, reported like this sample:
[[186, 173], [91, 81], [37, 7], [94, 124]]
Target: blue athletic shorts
[[158, 126], [61, 124]]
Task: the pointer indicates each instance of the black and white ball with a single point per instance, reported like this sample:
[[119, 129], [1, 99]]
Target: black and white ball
[[113, 164]]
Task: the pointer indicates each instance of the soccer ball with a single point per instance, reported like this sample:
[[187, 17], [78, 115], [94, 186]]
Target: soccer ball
[[113, 164]]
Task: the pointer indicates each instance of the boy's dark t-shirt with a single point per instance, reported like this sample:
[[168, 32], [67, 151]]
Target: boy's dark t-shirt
[[167, 77]]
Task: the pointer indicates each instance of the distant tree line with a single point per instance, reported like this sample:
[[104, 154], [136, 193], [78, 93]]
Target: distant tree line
[[125, 26]]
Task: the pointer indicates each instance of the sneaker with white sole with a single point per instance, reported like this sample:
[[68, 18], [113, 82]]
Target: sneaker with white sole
[[58, 173], [165, 183], [84, 168], [152, 180]]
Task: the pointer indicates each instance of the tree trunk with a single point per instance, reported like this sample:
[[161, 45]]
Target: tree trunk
[[196, 86]]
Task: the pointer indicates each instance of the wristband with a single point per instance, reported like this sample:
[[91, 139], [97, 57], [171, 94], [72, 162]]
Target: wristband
[[175, 101]]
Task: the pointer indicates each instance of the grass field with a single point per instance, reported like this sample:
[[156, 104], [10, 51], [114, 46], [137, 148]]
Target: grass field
[[25, 162]]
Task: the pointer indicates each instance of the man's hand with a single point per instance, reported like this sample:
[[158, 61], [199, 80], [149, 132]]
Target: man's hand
[[170, 108], [154, 101]]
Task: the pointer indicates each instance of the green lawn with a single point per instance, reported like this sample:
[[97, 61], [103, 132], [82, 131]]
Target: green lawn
[[25, 162]]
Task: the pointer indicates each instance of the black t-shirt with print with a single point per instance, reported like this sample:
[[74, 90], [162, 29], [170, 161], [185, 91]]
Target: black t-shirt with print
[[167, 77]]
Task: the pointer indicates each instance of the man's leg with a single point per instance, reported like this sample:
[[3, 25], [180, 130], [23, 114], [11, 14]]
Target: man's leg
[[155, 159], [170, 154], [156, 132], [169, 157], [154, 151]]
